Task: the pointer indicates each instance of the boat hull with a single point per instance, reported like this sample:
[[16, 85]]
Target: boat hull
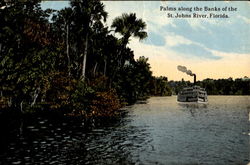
[[191, 99], [192, 102]]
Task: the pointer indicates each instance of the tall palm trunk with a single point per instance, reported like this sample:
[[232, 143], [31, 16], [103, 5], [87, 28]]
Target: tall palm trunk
[[119, 59], [84, 58], [124, 44], [36, 93], [105, 67], [67, 43], [95, 68]]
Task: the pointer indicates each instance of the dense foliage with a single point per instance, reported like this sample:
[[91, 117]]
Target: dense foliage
[[239, 86], [227, 86], [160, 87], [69, 61]]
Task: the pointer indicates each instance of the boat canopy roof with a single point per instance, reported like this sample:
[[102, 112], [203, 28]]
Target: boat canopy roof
[[193, 88]]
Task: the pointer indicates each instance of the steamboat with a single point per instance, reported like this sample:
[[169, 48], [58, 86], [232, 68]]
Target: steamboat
[[193, 94]]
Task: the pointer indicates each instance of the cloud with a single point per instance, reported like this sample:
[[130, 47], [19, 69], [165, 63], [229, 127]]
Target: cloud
[[225, 38], [164, 61], [215, 34], [174, 40], [188, 48], [245, 19], [155, 39], [195, 51]]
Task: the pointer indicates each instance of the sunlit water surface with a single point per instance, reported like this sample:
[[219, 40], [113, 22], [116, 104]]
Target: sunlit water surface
[[159, 131]]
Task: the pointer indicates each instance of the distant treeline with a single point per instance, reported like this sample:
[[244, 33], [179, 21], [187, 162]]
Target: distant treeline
[[240, 86]]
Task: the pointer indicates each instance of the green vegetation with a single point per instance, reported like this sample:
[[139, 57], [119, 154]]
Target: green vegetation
[[239, 86], [160, 87], [71, 63], [226, 86]]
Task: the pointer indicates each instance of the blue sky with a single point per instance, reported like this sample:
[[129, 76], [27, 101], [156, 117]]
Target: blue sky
[[212, 48]]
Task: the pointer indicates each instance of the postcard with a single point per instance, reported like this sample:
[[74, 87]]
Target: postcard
[[124, 82]]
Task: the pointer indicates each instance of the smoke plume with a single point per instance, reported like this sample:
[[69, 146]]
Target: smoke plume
[[184, 69]]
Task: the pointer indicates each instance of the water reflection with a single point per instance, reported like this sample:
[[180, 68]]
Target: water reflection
[[142, 102], [193, 105], [193, 108], [158, 132], [47, 142]]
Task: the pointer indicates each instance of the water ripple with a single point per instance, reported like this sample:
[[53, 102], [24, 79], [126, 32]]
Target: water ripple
[[159, 131]]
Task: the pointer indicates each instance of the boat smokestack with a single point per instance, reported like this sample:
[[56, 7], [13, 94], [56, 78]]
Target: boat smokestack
[[188, 72], [194, 78]]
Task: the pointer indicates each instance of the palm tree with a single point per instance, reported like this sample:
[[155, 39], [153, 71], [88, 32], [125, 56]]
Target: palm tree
[[64, 17], [128, 26], [85, 14], [98, 44]]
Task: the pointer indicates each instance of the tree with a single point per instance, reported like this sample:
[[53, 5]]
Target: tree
[[133, 81], [63, 21], [85, 14], [24, 60], [128, 25], [160, 87], [97, 55]]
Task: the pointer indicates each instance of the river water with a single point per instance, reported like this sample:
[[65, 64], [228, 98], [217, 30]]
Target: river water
[[158, 131]]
